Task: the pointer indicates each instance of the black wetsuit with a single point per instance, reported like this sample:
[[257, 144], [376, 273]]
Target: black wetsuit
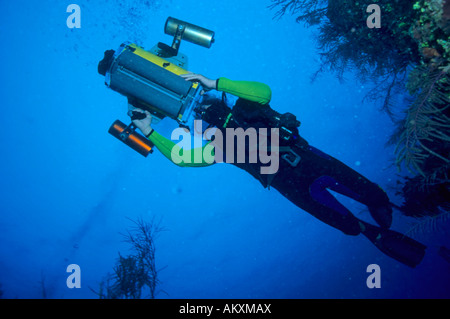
[[306, 184]]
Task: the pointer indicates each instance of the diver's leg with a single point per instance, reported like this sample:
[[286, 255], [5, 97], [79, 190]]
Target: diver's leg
[[307, 187], [324, 206], [348, 182], [355, 185]]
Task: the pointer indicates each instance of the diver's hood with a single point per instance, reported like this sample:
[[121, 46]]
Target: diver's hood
[[105, 64], [210, 97], [216, 114]]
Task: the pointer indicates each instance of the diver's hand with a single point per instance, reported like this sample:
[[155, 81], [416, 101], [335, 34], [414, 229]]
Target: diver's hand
[[206, 83], [145, 124]]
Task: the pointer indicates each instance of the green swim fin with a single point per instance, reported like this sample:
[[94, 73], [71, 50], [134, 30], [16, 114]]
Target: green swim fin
[[396, 245]]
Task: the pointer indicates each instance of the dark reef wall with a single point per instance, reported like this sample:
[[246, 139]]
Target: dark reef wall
[[408, 55]]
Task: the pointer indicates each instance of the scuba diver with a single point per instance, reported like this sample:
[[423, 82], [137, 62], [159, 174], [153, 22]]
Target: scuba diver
[[304, 174], [157, 85]]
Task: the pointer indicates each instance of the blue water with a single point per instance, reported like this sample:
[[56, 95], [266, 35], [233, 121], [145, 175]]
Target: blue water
[[68, 187]]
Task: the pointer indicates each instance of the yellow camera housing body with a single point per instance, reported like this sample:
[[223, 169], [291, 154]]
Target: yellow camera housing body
[[152, 83]]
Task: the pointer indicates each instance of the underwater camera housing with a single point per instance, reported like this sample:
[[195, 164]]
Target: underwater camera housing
[[151, 80]]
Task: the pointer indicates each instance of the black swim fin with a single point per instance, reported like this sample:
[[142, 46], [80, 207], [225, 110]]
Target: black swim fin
[[396, 245]]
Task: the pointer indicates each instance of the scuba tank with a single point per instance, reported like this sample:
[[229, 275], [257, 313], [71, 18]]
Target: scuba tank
[[251, 114]]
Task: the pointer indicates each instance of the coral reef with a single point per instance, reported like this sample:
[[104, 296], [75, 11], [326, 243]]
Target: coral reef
[[346, 43], [409, 54], [423, 137]]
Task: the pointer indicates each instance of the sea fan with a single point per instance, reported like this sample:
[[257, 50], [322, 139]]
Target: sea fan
[[431, 224], [426, 127]]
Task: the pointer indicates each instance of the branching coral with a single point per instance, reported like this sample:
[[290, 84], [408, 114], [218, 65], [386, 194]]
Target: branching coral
[[346, 43], [135, 273], [311, 12], [130, 277], [142, 239]]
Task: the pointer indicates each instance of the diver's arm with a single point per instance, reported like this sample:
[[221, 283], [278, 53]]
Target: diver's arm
[[176, 154], [169, 149], [207, 84], [252, 91]]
